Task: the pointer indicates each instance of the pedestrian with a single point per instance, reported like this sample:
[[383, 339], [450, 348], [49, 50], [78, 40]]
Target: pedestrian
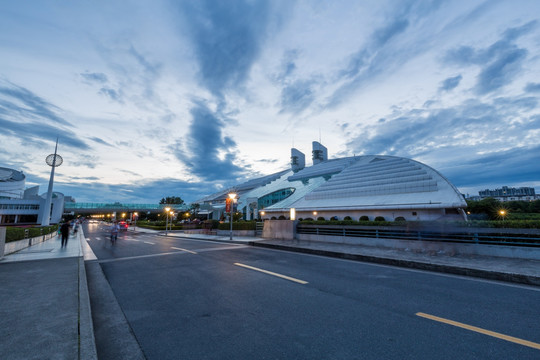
[[64, 230], [114, 232]]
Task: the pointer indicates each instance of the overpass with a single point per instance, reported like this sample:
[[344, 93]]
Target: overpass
[[104, 208]]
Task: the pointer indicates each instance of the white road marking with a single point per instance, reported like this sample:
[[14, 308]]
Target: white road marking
[[189, 251], [148, 242]]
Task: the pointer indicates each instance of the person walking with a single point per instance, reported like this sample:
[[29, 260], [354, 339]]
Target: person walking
[[114, 232], [64, 230]]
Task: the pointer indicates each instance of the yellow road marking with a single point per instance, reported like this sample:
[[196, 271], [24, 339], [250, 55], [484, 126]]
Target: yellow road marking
[[481, 331], [272, 273], [189, 251]]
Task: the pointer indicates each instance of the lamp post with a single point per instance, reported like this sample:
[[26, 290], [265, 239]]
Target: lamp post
[[167, 209], [232, 196], [502, 213], [135, 217], [172, 217]]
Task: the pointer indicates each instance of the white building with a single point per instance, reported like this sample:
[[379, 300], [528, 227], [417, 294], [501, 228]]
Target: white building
[[391, 187], [20, 206]]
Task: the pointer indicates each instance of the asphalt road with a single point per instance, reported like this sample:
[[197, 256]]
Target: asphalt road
[[193, 299]]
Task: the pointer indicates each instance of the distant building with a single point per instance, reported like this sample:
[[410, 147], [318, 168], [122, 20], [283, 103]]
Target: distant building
[[391, 187], [510, 194], [20, 206]]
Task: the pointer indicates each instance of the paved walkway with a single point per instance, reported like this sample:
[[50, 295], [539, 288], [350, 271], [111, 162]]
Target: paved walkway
[[45, 302], [45, 312]]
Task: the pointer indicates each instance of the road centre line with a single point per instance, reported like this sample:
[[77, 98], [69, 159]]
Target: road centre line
[[148, 242], [481, 331], [189, 251], [273, 273]]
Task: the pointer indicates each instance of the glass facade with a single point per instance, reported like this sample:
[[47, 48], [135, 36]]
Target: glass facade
[[274, 197]]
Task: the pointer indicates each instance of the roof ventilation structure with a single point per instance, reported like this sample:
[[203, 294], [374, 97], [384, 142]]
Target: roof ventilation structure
[[319, 153], [298, 160]]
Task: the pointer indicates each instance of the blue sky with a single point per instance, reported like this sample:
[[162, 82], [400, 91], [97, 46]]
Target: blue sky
[[183, 98]]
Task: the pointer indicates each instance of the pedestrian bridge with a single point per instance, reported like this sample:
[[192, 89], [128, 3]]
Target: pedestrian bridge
[[103, 208]]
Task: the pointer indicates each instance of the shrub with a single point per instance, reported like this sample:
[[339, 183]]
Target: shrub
[[245, 225], [320, 218], [273, 218], [380, 218], [364, 218], [348, 218], [281, 217], [399, 218]]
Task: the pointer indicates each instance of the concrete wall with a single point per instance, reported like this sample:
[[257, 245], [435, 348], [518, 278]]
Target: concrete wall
[[15, 246], [279, 229], [518, 252]]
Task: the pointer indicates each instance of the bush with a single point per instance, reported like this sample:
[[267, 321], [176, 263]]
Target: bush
[[364, 218], [245, 225], [18, 233], [347, 218], [399, 218], [281, 217], [320, 218], [380, 218]]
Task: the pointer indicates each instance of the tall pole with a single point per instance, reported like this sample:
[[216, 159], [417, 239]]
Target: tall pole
[[167, 209], [46, 213], [232, 196]]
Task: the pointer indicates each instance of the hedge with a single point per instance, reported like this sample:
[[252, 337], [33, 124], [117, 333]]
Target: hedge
[[511, 224], [243, 225], [17, 233]]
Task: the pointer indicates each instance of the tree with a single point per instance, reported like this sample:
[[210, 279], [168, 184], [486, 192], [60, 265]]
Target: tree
[[171, 200]]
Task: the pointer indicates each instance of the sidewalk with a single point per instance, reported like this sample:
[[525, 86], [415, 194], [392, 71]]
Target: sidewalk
[[45, 308], [495, 268]]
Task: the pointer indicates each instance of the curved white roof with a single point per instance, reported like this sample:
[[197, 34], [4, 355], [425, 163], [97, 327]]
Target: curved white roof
[[383, 182], [356, 183]]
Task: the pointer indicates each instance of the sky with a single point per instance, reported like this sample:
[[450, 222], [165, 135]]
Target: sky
[[160, 98]]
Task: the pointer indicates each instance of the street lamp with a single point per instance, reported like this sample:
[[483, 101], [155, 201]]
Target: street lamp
[[167, 209], [135, 217], [232, 196], [502, 212], [172, 217]]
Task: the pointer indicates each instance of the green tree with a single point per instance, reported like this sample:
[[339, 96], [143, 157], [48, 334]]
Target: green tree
[[171, 200]]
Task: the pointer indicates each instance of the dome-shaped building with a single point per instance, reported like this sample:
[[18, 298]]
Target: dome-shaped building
[[11, 183], [371, 185], [20, 206]]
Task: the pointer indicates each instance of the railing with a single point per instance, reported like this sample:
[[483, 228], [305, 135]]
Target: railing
[[105, 206], [477, 237]]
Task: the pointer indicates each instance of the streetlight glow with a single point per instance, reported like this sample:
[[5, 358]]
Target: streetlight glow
[[167, 209], [232, 196]]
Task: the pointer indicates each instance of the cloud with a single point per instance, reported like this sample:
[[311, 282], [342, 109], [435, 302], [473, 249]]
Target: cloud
[[450, 83], [382, 51], [297, 96], [499, 63], [471, 143], [532, 87], [31, 119], [94, 77], [501, 71], [208, 153], [112, 94], [22, 103], [227, 38]]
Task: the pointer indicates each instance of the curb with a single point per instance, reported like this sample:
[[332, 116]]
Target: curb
[[87, 342], [485, 274]]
